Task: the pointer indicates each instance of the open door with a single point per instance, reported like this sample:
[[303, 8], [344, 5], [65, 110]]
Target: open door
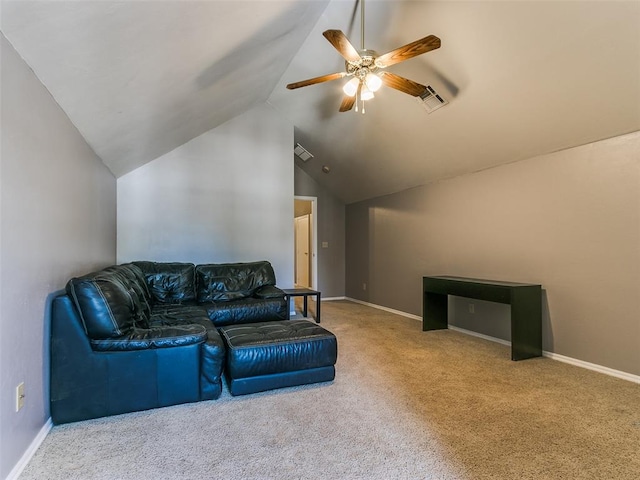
[[303, 257], [306, 243]]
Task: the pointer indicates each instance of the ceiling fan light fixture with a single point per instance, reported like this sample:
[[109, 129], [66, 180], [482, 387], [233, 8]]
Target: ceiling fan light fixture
[[373, 82], [351, 87], [365, 93], [363, 66]]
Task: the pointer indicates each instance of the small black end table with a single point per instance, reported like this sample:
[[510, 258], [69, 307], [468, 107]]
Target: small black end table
[[305, 293]]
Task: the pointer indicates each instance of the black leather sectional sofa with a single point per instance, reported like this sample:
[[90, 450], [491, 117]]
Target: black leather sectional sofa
[[144, 335]]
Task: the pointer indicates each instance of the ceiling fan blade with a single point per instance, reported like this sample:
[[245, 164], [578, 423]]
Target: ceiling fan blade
[[347, 103], [313, 81], [341, 43], [410, 50], [402, 84]]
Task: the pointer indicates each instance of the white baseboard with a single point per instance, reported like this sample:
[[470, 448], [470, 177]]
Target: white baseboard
[[24, 460], [554, 356], [292, 313], [593, 366], [386, 309], [479, 335]]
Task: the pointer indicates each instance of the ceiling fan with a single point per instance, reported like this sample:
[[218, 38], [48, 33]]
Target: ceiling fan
[[367, 67]]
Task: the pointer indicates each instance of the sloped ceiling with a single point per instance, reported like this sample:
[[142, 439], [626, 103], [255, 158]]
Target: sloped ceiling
[[139, 78], [522, 79]]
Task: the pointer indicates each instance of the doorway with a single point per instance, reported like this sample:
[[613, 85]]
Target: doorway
[[303, 247], [305, 242]]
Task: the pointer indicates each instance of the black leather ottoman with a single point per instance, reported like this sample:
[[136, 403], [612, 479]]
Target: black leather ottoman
[[267, 355]]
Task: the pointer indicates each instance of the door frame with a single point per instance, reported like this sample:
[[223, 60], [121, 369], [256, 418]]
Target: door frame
[[314, 239], [303, 232]]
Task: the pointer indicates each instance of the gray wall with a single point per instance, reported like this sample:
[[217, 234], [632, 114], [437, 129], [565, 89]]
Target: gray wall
[[225, 196], [568, 220], [58, 219], [331, 229]]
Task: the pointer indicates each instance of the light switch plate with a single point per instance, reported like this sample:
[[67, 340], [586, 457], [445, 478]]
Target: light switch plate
[[19, 397]]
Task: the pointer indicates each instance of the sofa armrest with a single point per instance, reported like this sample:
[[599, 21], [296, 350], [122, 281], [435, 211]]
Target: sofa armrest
[[155, 337], [268, 291]]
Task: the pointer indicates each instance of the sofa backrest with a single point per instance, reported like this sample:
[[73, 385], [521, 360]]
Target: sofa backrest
[[232, 281], [169, 282], [134, 281], [111, 301]]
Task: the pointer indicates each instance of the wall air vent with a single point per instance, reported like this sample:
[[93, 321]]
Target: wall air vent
[[430, 100], [302, 153]]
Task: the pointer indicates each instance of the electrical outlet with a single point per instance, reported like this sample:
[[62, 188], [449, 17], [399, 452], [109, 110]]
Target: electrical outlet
[[472, 308], [19, 397], [364, 286]]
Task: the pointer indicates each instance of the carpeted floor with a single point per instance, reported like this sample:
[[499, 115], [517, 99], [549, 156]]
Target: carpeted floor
[[405, 404]]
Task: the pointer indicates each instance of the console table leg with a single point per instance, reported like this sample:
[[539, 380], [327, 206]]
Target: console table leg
[[435, 312], [526, 327]]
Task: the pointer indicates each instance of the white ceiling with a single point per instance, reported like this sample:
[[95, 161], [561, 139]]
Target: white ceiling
[[140, 78]]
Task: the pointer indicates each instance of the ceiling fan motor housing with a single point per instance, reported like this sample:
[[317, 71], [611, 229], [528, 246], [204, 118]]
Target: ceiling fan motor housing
[[364, 66]]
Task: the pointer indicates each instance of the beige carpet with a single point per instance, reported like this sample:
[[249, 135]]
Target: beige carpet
[[405, 404]]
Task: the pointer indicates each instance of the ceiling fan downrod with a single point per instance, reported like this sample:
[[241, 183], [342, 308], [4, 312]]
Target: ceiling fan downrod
[[360, 75], [362, 24], [358, 95]]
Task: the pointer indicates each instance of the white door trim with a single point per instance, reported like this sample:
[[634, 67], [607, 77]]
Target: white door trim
[[314, 238]]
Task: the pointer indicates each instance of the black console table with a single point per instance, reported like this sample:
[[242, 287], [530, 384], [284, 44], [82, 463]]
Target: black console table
[[525, 300]]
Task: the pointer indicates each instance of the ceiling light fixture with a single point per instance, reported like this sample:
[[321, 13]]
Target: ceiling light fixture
[[366, 69], [351, 87], [365, 93], [373, 82], [365, 80]]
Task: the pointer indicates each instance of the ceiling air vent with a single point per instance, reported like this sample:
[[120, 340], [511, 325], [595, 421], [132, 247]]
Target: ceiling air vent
[[302, 153], [430, 100]]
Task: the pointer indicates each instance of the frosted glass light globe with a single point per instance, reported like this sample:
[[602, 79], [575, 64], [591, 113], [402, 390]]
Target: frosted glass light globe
[[373, 82], [351, 87]]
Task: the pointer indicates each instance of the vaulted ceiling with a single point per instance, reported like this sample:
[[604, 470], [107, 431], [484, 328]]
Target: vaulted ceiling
[[140, 78]]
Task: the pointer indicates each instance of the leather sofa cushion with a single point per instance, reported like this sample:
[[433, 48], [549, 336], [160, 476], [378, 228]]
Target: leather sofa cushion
[[276, 347], [155, 337], [135, 274], [133, 280], [232, 281], [167, 314], [105, 304], [269, 291], [247, 310], [213, 351], [172, 283]]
